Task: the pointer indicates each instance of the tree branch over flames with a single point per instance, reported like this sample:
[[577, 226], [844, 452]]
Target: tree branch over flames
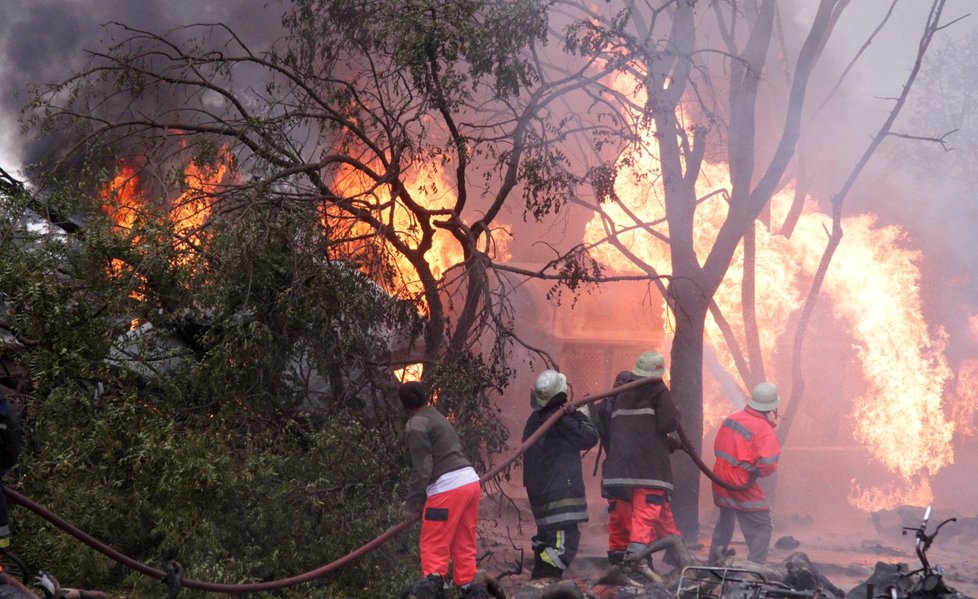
[[691, 137]]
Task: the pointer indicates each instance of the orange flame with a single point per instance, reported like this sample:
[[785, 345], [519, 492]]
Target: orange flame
[[192, 208], [124, 203], [427, 184], [411, 372], [120, 198], [891, 496], [873, 286], [965, 404]]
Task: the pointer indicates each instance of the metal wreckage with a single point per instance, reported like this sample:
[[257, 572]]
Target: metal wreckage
[[796, 577]]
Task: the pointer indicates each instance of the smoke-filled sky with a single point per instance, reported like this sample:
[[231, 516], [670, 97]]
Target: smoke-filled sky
[[42, 41]]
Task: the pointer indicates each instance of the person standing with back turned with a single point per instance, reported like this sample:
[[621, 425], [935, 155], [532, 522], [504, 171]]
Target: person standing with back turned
[[746, 449], [638, 465], [444, 489], [552, 475]]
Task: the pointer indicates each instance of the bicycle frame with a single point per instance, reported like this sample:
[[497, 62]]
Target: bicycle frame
[[926, 580], [716, 582]]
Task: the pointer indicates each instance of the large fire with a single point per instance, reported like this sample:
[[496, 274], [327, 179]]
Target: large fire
[[873, 287], [965, 406], [125, 203], [121, 202], [428, 185], [202, 182]]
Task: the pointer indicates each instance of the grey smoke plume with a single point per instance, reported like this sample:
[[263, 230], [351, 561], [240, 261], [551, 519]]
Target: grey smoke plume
[[44, 41]]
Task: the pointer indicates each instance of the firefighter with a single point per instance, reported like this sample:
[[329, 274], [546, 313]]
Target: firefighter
[[619, 500], [552, 475], [444, 489], [746, 449], [637, 475]]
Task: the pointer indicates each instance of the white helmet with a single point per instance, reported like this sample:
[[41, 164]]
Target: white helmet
[[549, 384], [764, 397], [650, 363]]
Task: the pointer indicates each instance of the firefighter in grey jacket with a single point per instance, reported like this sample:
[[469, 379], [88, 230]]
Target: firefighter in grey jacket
[[445, 489], [552, 475]]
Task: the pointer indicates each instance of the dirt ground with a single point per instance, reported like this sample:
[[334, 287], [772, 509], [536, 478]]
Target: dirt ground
[[844, 549]]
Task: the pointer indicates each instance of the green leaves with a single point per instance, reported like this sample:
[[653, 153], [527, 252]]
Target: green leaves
[[195, 436]]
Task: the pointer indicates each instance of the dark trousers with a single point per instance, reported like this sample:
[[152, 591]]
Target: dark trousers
[[756, 526], [554, 550]]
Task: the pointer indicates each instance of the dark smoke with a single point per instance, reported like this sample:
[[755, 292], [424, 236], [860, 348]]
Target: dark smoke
[[44, 41]]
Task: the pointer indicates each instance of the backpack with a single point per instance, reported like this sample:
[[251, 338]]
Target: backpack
[[11, 434]]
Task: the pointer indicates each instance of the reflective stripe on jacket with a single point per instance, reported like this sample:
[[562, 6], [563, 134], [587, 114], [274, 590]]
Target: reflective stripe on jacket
[[638, 454], [552, 468], [746, 449]]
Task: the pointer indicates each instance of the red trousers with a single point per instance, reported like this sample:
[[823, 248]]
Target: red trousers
[[647, 517], [619, 524], [448, 533]]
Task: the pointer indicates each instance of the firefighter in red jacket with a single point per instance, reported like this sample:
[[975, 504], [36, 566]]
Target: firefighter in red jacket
[[746, 449]]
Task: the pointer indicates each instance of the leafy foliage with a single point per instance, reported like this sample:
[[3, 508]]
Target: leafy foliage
[[230, 382], [215, 455]]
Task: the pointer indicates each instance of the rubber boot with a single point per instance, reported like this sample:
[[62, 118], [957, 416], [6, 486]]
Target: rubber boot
[[678, 553], [474, 590], [643, 568]]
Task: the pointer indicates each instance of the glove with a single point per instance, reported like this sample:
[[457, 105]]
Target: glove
[[674, 444], [582, 409]]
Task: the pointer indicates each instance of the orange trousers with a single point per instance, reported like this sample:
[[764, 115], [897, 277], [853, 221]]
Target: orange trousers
[[636, 523], [448, 533]]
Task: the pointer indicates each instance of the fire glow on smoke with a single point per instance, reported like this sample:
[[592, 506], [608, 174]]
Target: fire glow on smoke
[[873, 286]]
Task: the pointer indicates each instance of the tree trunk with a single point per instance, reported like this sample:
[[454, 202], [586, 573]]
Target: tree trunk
[[689, 307]]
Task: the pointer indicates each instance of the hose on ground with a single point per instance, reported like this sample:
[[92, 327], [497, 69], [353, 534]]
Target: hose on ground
[[255, 587]]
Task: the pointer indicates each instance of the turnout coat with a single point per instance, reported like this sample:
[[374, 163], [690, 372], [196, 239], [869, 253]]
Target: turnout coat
[[638, 422], [552, 467]]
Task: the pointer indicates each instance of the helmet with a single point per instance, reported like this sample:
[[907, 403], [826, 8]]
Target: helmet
[[548, 385], [764, 398], [650, 363]]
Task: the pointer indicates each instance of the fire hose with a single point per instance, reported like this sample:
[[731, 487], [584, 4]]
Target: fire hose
[[687, 446], [255, 587]]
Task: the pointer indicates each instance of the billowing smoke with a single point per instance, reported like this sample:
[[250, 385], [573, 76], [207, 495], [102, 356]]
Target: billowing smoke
[[44, 41]]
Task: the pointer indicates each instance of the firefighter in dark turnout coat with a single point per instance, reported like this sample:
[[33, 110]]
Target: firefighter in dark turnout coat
[[637, 475], [552, 475], [10, 445], [619, 498]]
